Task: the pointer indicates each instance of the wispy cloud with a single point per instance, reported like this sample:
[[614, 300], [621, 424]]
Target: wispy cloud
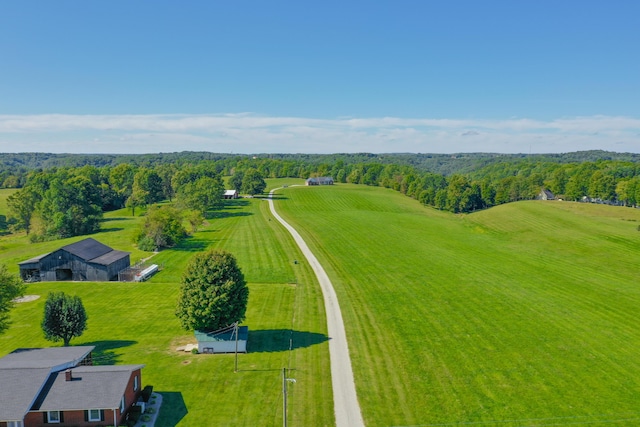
[[252, 133]]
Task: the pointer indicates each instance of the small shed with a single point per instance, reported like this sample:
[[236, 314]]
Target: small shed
[[319, 180], [223, 341], [86, 260], [230, 194]]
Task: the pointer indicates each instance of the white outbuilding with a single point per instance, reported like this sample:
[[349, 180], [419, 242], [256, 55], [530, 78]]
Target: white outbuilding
[[223, 341]]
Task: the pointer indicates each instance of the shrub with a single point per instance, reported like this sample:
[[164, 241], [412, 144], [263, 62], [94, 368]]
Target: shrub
[[146, 393], [194, 351]]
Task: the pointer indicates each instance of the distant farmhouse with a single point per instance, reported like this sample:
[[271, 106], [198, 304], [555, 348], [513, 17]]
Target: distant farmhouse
[[86, 260], [546, 195], [59, 385], [230, 194], [319, 180]]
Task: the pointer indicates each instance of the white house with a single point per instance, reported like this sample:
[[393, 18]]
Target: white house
[[230, 194]]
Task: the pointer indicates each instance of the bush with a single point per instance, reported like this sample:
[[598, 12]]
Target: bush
[[134, 415], [146, 393], [147, 244], [194, 351]]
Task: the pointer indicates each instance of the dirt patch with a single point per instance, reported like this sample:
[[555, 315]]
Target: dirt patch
[[27, 298]]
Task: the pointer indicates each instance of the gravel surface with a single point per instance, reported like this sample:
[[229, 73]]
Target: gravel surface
[[345, 400]]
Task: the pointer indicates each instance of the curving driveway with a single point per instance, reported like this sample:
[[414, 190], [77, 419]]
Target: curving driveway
[[345, 400]]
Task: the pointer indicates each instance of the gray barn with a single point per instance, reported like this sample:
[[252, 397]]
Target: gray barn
[[86, 260]]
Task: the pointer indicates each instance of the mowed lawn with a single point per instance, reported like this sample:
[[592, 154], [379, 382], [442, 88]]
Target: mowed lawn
[[524, 314], [135, 323]]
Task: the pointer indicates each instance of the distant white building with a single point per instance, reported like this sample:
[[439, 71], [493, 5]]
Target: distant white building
[[319, 180], [230, 194]]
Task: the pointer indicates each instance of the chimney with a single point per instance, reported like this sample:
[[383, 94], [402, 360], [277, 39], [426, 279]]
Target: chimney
[[67, 375]]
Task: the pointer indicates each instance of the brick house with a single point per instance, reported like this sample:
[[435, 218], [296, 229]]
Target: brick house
[[60, 386]]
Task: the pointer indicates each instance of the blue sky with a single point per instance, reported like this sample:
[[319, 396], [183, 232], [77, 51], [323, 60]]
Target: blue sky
[[319, 77]]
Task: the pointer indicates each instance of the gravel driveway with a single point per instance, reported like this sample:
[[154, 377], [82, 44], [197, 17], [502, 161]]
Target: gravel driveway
[[345, 400]]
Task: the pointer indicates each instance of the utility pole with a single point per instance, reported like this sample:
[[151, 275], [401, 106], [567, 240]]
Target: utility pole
[[284, 397]]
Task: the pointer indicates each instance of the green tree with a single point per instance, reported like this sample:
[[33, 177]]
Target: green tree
[[22, 205], [162, 228], [11, 287], [213, 293], [236, 180], [253, 182], [64, 317], [121, 181], [71, 207], [203, 194], [149, 183]]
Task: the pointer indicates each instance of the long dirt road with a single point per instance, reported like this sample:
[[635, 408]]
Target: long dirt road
[[345, 400]]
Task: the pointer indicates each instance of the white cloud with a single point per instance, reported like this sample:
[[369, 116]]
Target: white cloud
[[251, 133]]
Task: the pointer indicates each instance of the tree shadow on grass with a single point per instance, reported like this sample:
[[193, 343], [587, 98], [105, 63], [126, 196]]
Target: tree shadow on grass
[[272, 340], [192, 244], [105, 230], [173, 409], [235, 203], [225, 214], [105, 352]]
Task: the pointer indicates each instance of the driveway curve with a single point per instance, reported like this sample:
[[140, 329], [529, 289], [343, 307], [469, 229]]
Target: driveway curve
[[345, 400]]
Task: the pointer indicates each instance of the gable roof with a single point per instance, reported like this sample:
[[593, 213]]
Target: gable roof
[[224, 335], [33, 379], [89, 250], [52, 358], [24, 373], [92, 387], [18, 391]]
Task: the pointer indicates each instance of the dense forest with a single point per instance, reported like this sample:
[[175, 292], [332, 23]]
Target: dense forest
[[66, 194]]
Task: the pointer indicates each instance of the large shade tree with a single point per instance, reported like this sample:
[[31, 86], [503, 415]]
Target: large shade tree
[[64, 317], [11, 287], [213, 294], [253, 182]]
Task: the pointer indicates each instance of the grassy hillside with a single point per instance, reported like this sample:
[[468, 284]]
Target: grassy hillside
[[135, 323], [522, 314]]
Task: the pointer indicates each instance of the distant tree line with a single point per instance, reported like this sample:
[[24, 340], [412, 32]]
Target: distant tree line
[[68, 201]]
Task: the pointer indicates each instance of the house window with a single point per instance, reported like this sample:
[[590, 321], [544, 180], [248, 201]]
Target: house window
[[135, 383], [14, 424], [122, 405], [53, 416], [94, 415]]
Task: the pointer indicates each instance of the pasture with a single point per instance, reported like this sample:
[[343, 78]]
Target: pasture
[[524, 314], [135, 323]]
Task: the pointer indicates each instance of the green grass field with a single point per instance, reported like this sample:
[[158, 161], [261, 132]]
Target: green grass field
[[524, 314], [135, 323]]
